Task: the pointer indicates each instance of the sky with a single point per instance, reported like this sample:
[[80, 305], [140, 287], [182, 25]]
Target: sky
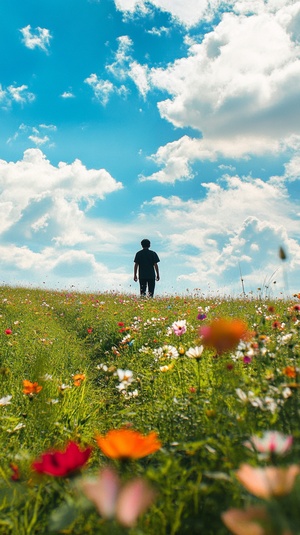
[[172, 120]]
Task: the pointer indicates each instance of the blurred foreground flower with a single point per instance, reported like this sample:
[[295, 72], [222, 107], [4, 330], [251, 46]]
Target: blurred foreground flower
[[62, 463], [269, 481], [114, 500], [271, 442], [248, 522], [128, 444], [30, 388], [224, 334]]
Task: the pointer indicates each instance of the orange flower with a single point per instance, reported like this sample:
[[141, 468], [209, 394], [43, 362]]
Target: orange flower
[[128, 444], [224, 334], [269, 481], [30, 388], [290, 371], [78, 378]]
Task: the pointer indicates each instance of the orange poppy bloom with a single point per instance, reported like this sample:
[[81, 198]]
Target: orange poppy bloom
[[128, 444], [78, 378], [30, 388], [290, 371], [224, 334]]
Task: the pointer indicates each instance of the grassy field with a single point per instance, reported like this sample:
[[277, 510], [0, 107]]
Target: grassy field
[[76, 366]]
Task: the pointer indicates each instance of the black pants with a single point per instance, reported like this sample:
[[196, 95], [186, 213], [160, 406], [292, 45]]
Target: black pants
[[143, 286]]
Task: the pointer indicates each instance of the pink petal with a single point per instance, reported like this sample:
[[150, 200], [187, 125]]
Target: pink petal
[[103, 491], [134, 498]]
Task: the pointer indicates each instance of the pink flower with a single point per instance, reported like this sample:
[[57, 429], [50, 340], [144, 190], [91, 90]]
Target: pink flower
[[179, 327], [269, 481], [114, 500], [271, 442], [248, 522]]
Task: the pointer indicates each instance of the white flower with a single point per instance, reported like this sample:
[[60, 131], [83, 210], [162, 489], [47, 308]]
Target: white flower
[[195, 352], [5, 400], [125, 378], [125, 375], [170, 352], [102, 367]]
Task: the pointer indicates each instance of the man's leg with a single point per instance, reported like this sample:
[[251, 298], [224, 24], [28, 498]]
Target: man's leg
[[143, 287], [151, 286]]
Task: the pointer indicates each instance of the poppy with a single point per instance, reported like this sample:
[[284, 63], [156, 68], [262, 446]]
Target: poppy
[[62, 463]]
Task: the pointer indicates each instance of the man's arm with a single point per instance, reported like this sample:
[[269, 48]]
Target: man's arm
[[156, 271], [135, 270]]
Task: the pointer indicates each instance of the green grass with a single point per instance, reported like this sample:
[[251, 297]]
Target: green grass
[[194, 407]]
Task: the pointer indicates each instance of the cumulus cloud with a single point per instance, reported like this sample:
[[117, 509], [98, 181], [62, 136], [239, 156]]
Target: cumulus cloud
[[45, 224], [238, 222], [239, 88], [36, 38]]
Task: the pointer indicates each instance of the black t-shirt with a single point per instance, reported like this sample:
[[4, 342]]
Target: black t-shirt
[[146, 260]]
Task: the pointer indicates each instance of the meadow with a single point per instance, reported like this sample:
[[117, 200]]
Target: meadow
[[202, 396]]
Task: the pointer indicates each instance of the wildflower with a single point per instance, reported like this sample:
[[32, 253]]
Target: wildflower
[[114, 500], [89, 330], [62, 463], [248, 522], [269, 481], [166, 368], [271, 442], [8, 331], [128, 444], [224, 334], [201, 317], [290, 371], [5, 401], [15, 472], [125, 378], [30, 388], [247, 359], [179, 327], [195, 352], [78, 378]]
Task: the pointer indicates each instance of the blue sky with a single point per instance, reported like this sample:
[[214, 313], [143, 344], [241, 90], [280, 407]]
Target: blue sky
[[173, 120]]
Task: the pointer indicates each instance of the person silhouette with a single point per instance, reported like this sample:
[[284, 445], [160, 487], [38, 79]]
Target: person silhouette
[[146, 269]]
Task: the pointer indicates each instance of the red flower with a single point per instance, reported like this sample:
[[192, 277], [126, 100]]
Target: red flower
[[8, 331], [15, 472], [89, 330], [62, 463]]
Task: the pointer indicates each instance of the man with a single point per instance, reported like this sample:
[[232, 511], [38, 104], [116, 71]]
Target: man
[[146, 268]]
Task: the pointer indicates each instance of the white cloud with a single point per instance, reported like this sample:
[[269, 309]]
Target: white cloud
[[34, 133], [238, 221], [13, 93], [239, 88], [36, 38], [102, 88], [67, 94], [187, 13]]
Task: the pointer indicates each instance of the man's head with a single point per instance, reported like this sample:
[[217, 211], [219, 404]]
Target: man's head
[[145, 244]]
